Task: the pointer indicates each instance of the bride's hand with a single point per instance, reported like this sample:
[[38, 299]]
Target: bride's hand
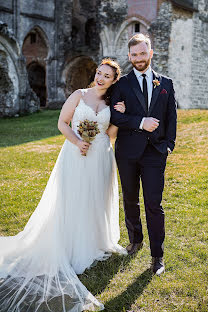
[[120, 107], [83, 146]]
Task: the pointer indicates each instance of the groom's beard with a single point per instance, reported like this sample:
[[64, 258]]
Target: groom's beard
[[142, 65]]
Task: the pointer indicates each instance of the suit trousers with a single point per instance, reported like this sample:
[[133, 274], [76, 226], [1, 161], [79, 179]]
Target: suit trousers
[[149, 169]]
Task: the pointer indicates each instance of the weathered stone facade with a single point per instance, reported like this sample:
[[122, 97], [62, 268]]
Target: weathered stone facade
[[180, 34], [60, 43], [15, 94], [179, 31], [199, 60]]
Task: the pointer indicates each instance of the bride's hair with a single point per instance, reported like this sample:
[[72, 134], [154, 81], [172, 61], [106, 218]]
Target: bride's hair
[[117, 73], [114, 65]]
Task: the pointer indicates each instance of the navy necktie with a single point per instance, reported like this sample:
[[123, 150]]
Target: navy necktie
[[145, 93]]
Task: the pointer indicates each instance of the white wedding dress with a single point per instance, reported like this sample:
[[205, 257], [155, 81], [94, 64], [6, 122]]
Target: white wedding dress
[[75, 223]]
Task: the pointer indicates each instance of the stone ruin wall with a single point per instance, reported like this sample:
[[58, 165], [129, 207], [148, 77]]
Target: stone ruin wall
[[181, 51], [15, 93], [78, 34], [180, 55], [114, 33], [199, 61]]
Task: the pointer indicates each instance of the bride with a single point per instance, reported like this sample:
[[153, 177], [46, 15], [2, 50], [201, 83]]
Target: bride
[[77, 219]]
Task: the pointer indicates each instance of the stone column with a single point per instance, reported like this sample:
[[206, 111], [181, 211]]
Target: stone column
[[56, 61], [16, 18], [111, 16]]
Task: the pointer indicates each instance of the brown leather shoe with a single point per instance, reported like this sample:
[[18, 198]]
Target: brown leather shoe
[[133, 248]]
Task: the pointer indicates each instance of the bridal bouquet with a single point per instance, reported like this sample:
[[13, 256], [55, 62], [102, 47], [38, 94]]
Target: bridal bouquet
[[88, 130]]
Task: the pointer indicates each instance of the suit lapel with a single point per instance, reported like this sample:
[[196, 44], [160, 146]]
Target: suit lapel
[[136, 88], [155, 92]]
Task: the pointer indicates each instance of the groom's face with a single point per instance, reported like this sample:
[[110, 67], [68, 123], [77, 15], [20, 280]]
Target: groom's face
[[140, 56]]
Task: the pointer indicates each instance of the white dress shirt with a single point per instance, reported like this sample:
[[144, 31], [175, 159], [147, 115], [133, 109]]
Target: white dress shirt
[[149, 79]]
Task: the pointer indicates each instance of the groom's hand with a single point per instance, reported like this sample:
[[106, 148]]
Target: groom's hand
[[150, 124]]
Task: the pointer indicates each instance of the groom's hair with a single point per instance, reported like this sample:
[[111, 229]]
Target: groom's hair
[[138, 38]]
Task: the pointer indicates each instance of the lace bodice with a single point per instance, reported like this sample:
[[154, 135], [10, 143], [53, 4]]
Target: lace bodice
[[84, 111]]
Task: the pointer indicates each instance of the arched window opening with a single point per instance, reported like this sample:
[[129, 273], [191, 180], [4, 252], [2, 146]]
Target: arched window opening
[[90, 32], [36, 76], [137, 27], [80, 74]]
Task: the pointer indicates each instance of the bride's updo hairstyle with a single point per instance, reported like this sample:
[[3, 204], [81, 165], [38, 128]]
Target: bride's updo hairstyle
[[114, 65], [117, 73]]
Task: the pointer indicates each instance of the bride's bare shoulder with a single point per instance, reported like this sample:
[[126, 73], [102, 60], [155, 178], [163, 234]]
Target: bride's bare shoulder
[[74, 98], [78, 94]]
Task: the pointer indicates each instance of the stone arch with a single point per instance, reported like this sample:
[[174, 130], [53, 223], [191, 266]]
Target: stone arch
[[114, 41], [78, 73], [10, 73], [36, 48], [41, 32], [130, 21], [36, 76], [9, 84], [105, 41], [15, 94]]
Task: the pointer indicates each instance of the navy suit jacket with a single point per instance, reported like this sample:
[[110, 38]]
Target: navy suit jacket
[[131, 141]]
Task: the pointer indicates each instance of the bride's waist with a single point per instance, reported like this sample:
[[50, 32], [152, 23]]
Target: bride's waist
[[100, 136]]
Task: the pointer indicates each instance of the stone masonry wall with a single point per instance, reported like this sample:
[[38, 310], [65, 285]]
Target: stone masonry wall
[[8, 90], [199, 61], [180, 55], [147, 9], [113, 36], [15, 93], [160, 31], [79, 33]]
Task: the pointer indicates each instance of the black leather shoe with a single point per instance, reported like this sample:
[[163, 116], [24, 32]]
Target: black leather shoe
[[133, 248], [157, 265]]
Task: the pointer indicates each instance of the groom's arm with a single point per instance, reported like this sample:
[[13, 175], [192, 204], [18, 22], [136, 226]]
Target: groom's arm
[[122, 120], [171, 119]]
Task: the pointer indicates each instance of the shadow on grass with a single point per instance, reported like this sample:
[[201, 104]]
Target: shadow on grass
[[124, 301], [97, 278], [36, 126]]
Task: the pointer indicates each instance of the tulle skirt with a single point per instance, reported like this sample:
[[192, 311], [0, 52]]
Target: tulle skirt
[[75, 223]]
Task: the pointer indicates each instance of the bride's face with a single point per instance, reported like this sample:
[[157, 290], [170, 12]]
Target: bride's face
[[104, 77]]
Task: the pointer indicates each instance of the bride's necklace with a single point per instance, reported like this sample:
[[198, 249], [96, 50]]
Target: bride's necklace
[[96, 109], [98, 104]]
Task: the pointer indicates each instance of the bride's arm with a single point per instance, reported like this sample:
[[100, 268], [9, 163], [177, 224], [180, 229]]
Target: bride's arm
[[113, 130], [66, 116]]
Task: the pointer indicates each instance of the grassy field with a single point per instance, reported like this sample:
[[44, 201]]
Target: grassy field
[[29, 148]]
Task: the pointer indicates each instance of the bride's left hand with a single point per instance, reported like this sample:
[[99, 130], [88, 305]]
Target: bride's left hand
[[120, 107]]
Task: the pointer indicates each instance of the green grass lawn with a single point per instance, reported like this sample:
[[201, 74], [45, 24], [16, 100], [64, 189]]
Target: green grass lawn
[[29, 148]]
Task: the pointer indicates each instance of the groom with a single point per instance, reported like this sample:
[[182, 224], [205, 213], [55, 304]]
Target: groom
[[147, 132]]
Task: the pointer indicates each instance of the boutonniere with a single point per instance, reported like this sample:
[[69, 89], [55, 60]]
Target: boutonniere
[[156, 83]]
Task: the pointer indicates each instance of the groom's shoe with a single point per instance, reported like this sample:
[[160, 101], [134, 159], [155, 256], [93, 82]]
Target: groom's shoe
[[133, 248], [157, 265]]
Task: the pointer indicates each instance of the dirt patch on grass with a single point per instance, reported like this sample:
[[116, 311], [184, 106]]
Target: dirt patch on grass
[[40, 148]]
